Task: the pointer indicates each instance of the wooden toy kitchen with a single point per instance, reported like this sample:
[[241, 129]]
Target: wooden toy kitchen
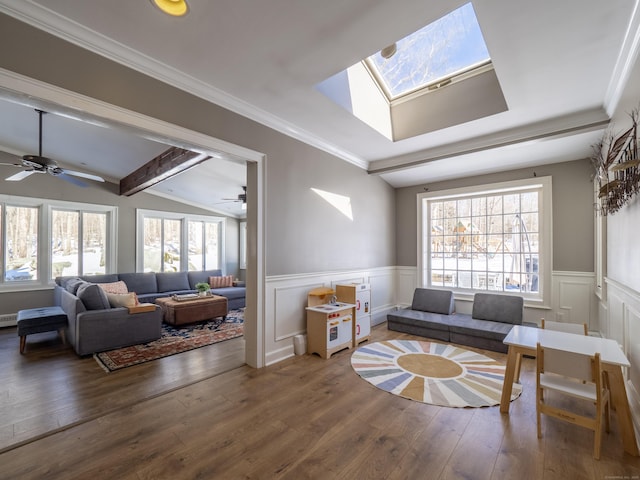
[[329, 323]]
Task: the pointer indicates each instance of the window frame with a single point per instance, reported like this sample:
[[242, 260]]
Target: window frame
[[412, 52], [141, 214], [545, 218], [45, 212]]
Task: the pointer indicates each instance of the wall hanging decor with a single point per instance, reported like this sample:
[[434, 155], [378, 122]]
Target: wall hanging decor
[[617, 168]]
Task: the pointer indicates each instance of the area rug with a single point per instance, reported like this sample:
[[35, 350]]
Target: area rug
[[431, 372], [174, 340]]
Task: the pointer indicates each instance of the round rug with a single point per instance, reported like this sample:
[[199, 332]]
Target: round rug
[[431, 372]]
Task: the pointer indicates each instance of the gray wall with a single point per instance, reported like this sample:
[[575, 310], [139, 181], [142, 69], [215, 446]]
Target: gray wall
[[572, 212], [47, 187], [303, 233]]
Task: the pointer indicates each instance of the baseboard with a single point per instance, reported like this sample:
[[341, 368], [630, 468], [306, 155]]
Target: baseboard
[[279, 355], [380, 315]]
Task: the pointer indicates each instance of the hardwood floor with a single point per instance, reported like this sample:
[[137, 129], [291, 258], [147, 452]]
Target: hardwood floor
[[302, 418]]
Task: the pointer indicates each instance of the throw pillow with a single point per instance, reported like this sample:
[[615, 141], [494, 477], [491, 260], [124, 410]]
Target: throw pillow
[[93, 297], [220, 282], [72, 285], [122, 299], [114, 287]]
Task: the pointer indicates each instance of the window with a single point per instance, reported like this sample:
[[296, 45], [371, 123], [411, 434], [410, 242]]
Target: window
[[21, 246], [172, 242], [43, 239], [450, 46], [490, 238], [78, 242], [203, 245]]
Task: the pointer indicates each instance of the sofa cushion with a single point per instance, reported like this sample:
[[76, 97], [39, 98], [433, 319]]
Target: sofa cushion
[[498, 308], [172, 281], [140, 282], [435, 321], [122, 299], [230, 292], [93, 297], [114, 287], [431, 300], [202, 277], [463, 324], [220, 282], [103, 278]]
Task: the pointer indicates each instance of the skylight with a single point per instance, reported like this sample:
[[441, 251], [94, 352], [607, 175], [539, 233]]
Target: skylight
[[435, 78], [451, 45]]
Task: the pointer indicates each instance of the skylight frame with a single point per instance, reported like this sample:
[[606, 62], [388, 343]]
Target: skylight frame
[[459, 34], [459, 75]]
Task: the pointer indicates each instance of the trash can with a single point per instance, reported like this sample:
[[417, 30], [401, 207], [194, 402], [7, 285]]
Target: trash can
[[300, 344]]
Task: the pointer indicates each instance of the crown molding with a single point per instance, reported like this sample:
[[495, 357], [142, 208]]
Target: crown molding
[[582, 122], [51, 22], [625, 62]]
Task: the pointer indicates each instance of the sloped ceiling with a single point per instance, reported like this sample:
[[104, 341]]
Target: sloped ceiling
[[561, 67]]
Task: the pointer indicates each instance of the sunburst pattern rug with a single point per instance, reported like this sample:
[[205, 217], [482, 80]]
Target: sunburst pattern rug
[[431, 372], [174, 340]]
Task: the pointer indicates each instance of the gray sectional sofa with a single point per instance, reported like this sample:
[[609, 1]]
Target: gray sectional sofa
[[149, 285], [432, 314], [94, 325]]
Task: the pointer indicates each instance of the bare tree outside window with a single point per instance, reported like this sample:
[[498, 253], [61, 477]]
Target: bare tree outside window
[[485, 242], [21, 247]]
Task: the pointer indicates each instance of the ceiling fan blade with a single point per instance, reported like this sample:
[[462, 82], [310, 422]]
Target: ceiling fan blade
[[19, 176], [88, 176], [71, 179], [11, 164]]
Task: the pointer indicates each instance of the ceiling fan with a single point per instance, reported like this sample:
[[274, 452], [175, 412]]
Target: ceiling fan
[[39, 164], [242, 197]]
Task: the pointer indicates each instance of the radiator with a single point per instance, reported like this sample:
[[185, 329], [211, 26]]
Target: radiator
[[8, 320]]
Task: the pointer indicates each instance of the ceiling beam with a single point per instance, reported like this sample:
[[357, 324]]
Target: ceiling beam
[[169, 163]]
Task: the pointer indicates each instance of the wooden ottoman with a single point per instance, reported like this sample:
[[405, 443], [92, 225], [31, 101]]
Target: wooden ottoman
[[181, 312]]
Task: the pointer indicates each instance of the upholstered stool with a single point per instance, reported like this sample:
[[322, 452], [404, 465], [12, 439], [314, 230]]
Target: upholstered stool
[[37, 320]]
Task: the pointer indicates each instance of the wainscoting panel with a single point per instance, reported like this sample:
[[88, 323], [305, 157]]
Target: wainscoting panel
[[622, 324], [631, 343], [573, 298], [383, 295], [286, 299], [615, 320], [289, 303], [407, 283]]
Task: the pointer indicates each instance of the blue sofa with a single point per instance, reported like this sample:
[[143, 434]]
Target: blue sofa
[[432, 314]]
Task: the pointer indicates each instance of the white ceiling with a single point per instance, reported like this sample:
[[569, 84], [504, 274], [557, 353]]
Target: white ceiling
[[561, 65]]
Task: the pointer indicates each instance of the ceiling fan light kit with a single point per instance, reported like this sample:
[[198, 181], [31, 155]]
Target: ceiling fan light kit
[[176, 8]]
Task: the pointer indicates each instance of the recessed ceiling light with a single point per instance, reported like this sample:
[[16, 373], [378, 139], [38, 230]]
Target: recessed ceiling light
[[177, 8]]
